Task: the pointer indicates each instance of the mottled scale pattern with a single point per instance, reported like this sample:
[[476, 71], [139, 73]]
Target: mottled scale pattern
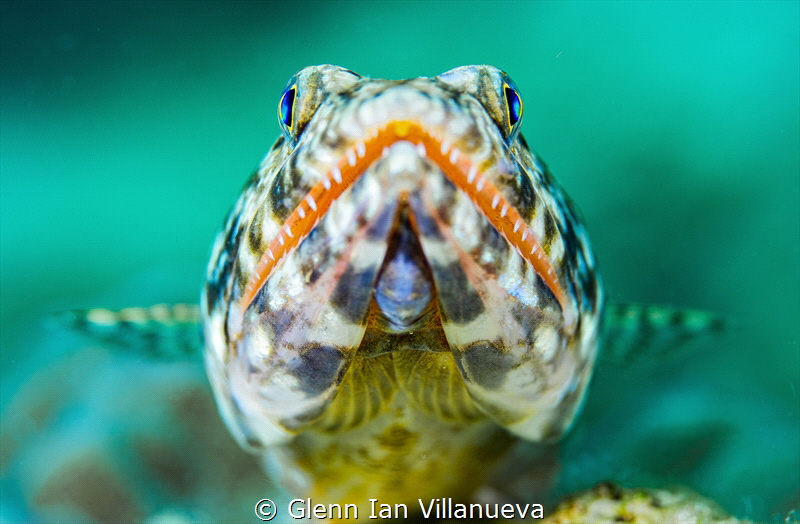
[[401, 287]]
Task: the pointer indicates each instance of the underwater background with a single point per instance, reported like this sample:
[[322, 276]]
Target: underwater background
[[127, 130]]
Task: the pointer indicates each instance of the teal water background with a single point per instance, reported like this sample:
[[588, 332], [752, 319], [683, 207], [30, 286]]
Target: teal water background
[[127, 130]]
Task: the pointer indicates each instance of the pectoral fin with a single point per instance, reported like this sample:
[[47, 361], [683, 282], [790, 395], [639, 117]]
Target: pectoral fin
[[634, 331], [163, 331]]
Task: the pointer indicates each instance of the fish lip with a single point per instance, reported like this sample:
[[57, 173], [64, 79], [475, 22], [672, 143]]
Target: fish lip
[[402, 112], [479, 183]]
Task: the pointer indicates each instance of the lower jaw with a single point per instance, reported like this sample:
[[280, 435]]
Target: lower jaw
[[393, 460]]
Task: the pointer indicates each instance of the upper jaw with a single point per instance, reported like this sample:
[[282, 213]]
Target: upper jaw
[[351, 134]]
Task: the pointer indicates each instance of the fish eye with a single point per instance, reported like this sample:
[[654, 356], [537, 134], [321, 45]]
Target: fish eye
[[513, 107], [286, 110]]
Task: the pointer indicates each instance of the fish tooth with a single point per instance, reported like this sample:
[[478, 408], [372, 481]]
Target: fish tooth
[[337, 174], [472, 172], [311, 202]]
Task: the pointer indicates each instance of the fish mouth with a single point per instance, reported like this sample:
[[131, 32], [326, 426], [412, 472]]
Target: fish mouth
[[404, 313], [474, 177], [404, 294]]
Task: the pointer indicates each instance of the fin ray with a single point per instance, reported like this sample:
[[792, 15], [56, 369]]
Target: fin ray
[[162, 331], [633, 330]]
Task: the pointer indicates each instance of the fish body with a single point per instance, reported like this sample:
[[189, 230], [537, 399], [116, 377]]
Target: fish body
[[401, 291], [399, 307]]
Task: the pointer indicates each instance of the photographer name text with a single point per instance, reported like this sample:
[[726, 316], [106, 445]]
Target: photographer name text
[[443, 508]]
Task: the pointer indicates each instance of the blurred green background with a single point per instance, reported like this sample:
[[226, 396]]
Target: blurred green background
[[127, 130]]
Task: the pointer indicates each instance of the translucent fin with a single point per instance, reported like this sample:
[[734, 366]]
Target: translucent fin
[[635, 330], [163, 331]]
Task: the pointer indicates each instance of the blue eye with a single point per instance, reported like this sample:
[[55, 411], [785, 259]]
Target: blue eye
[[286, 108], [513, 104]]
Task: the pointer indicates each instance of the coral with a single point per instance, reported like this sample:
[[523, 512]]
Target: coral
[[607, 502]]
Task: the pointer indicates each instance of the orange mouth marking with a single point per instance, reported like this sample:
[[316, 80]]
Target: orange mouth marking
[[459, 170]]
